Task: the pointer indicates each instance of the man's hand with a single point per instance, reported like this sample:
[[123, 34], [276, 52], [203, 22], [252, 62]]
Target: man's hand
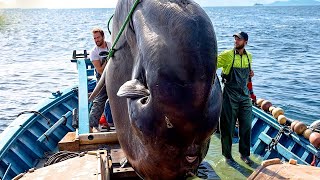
[[251, 73]]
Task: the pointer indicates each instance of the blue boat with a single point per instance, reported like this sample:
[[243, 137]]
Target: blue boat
[[271, 140], [36, 133]]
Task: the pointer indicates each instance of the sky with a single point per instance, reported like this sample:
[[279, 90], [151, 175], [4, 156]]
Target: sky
[[112, 3]]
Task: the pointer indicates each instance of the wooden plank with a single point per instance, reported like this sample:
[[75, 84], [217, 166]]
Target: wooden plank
[[285, 171], [69, 142], [119, 172], [98, 138], [90, 166]]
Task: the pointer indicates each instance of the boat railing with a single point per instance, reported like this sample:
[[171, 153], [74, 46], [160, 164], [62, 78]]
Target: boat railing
[[273, 140], [62, 120]]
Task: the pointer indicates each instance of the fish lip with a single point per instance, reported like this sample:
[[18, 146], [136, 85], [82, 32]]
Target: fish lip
[[191, 158]]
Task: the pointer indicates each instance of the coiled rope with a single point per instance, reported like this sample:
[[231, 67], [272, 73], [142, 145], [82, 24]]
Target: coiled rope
[[61, 156]]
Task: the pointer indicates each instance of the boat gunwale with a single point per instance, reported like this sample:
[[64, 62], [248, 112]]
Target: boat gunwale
[[295, 137], [29, 119]]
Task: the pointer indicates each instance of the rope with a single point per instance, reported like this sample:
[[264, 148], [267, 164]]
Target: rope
[[35, 112], [112, 50], [169, 124], [109, 23], [274, 141], [60, 156], [315, 129]]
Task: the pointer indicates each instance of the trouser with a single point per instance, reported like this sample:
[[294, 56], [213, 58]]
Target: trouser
[[98, 107], [233, 108], [107, 112]]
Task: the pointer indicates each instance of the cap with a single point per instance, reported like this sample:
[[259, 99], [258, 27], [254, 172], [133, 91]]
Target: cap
[[242, 35]]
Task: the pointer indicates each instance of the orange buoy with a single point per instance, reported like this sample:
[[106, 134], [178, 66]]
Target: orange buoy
[[315, 139], [276, 112], [282, 119], [265, 105], [271, 108], [300, 127], [293, 124], [259, 102], [306, 134]]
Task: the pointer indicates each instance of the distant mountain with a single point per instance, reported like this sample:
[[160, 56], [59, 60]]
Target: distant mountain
[[295, 3]]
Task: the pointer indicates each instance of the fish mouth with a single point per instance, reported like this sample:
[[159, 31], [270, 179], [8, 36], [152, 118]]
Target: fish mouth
[[191, 159]]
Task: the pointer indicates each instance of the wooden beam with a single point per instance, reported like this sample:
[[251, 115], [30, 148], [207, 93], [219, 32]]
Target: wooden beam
[[69, 142], [98, 138]]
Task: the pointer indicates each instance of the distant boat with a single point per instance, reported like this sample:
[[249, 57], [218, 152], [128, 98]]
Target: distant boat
[[258, 4], [295, 3]]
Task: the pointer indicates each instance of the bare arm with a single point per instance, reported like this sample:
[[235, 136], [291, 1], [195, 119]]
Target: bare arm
[[98, 66]]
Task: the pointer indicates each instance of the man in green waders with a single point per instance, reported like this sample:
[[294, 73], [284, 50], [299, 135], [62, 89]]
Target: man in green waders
[[236, 69]]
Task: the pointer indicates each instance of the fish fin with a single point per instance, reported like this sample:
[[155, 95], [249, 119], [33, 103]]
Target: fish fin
[[133, 89]]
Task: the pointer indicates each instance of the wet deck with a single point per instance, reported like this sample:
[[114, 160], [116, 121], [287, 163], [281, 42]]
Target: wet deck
[[102, 158]]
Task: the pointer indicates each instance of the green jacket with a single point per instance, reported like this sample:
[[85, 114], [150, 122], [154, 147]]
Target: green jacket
[[226, 57]]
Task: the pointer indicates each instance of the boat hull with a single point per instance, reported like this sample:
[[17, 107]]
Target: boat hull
[[30, 137], [271, 140]]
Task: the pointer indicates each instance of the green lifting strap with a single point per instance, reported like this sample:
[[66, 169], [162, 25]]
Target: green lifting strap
[[111, 52]]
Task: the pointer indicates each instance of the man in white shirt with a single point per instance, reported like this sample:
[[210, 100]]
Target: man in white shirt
[[100, 100]]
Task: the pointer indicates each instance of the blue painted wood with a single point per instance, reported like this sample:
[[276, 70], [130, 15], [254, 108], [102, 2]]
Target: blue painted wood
[[279, 148], [24, 122], [47, 134], [31, 150], [267, 155], [89, 67], [83, 108], [266, 127], [19, 147], [291, 145], [5, 176], [305, 155], [254, 121]]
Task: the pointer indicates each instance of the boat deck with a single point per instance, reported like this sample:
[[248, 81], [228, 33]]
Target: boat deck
[[90, 156]]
